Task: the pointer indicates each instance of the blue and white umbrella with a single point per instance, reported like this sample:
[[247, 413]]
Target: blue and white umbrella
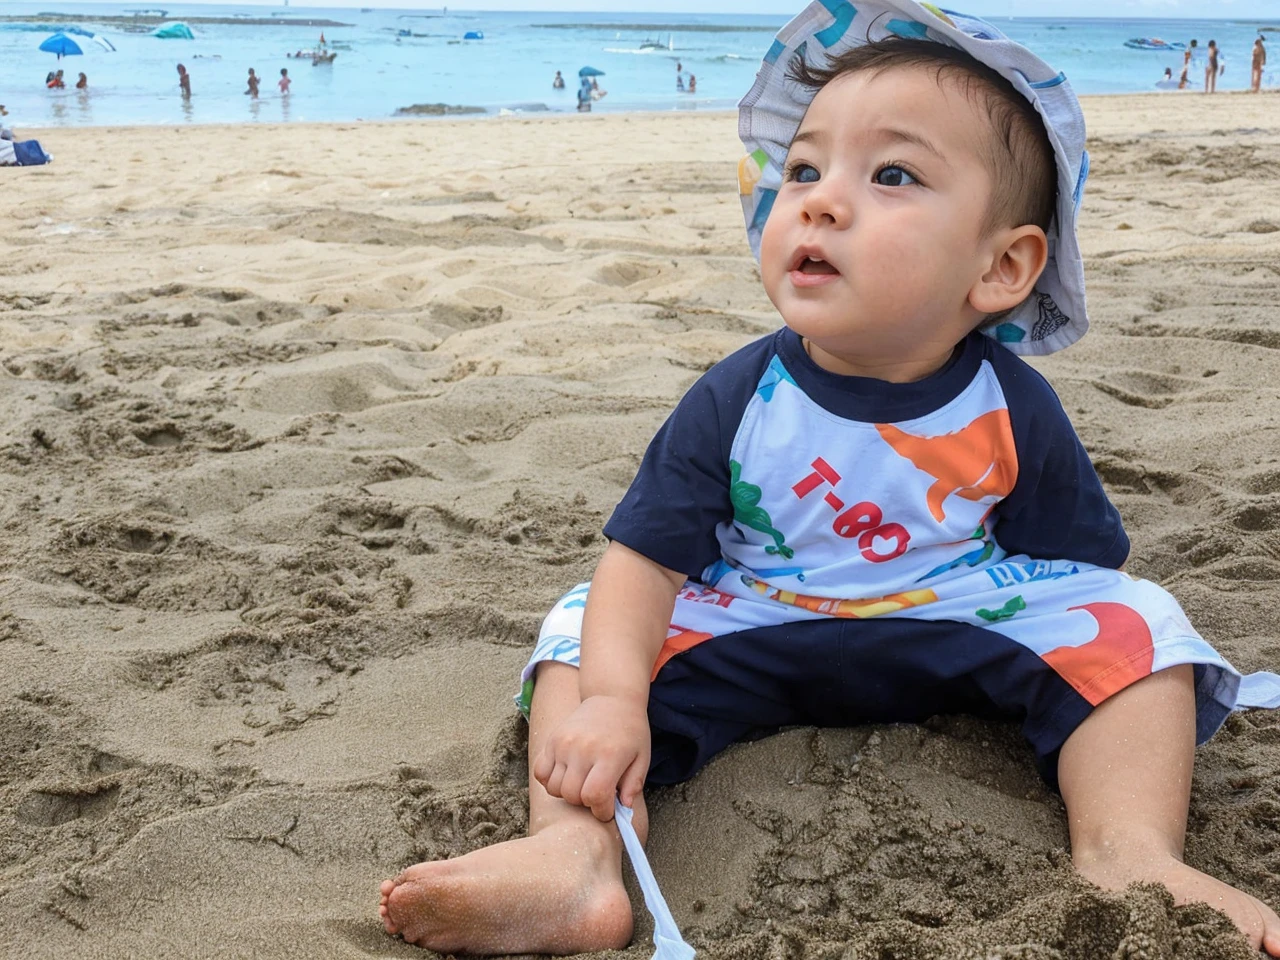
[[97, 38], [62, 45]]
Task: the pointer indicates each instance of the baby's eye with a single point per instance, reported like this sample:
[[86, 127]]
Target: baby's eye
[[892, 175], [802, 173]]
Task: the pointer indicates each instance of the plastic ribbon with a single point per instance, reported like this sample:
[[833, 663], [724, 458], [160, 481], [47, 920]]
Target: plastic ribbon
[[666, 935]]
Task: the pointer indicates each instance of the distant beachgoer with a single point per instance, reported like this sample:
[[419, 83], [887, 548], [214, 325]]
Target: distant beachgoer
[[584, 96], [558, 82], [253, 85], [284, 81], [679, 76], [693, 83], [1211, 70], [1259, 61], [82, 83], [184, 82], [55, 82]]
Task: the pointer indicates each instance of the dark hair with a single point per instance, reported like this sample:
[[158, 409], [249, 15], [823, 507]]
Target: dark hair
[[1020, 157]]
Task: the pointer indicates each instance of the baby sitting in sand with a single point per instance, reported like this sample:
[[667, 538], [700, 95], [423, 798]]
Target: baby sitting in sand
[[877, 514]]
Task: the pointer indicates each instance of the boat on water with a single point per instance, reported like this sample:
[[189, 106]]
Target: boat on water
[[319, 57], [649, 44], [1153, 43]]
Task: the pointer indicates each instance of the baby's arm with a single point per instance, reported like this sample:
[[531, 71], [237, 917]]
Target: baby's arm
[[602, 749]]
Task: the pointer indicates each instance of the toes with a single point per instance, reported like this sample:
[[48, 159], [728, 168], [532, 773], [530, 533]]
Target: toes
[[1271, 939], [387, 887]]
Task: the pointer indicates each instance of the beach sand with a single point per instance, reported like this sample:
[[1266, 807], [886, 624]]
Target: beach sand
[[305, 428]]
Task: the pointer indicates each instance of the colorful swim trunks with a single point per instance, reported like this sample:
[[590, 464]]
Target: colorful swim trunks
[[1035, 641]]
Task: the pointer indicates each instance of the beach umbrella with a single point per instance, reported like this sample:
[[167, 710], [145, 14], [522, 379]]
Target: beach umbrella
[[62, 45], [97, 38], [590, 72]]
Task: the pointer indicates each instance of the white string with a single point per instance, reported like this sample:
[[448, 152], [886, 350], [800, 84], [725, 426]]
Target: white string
[[666, 935]]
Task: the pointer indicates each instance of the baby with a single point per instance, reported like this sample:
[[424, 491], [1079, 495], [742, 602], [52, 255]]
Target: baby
[[877, 514]]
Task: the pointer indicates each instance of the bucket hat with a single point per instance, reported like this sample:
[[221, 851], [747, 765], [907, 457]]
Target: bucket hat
[[1054, 316]]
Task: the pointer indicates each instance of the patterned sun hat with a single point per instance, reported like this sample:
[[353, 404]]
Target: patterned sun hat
[[769, 115]]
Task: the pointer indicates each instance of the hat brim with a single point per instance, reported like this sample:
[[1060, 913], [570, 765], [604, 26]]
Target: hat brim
[[1055, 315]]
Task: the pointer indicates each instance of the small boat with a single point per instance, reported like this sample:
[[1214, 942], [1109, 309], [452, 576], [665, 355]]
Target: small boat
[[473, 35], [1153, 43], [323, 56], [648, 44]]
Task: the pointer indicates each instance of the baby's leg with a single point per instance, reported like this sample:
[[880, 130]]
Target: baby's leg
[[558, 890], [1125, 775]]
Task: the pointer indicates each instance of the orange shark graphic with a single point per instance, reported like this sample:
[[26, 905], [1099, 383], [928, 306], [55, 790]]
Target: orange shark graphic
[[1121, 653], [976, 461]]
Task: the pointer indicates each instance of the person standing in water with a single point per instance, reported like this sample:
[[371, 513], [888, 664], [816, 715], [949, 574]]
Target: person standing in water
[[184, 82], [1187, 57], [1259, 61], [1211, 70], [679, 77], [284, 81], [252, 91], [558, 82], [82, 83]]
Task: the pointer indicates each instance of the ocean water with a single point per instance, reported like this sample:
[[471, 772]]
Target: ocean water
[[510, 69]]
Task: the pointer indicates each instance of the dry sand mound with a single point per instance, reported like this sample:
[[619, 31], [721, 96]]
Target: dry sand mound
[[294, 461]]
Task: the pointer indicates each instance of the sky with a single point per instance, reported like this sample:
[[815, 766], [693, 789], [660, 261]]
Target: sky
[[1196, 9]]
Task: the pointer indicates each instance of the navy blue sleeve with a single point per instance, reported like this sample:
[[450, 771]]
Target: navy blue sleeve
[[1057, 509], [681, 491]]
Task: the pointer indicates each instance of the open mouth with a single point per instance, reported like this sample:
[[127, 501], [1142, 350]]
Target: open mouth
[[816, 266]]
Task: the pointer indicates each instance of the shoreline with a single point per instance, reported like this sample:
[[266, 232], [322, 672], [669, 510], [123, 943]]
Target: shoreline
[[470, 114]]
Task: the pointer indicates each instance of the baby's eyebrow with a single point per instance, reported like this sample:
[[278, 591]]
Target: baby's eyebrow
[[883, 134], [908, 136]]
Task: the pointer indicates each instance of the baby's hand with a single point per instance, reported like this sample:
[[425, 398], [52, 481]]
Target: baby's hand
[[600, 751]]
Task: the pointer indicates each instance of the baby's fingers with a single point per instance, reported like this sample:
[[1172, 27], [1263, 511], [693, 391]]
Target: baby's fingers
[[543, 764], [555, 781], [598, 791], [632, 782]]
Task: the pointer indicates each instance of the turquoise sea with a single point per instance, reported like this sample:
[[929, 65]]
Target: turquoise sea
[[377, 70]]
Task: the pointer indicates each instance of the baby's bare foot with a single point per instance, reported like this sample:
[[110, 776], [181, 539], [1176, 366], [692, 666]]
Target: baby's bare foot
[[559, 891], [1257, 921]]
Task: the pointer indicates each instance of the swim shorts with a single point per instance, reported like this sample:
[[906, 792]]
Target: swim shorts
[[1034, 641]]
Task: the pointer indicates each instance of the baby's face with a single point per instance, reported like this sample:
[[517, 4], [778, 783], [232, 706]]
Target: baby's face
[[874, 239]]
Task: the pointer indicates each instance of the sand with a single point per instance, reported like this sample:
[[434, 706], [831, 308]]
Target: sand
[[305, 427]]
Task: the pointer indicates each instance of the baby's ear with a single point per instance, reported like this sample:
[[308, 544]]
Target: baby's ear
[[1017, 258]]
